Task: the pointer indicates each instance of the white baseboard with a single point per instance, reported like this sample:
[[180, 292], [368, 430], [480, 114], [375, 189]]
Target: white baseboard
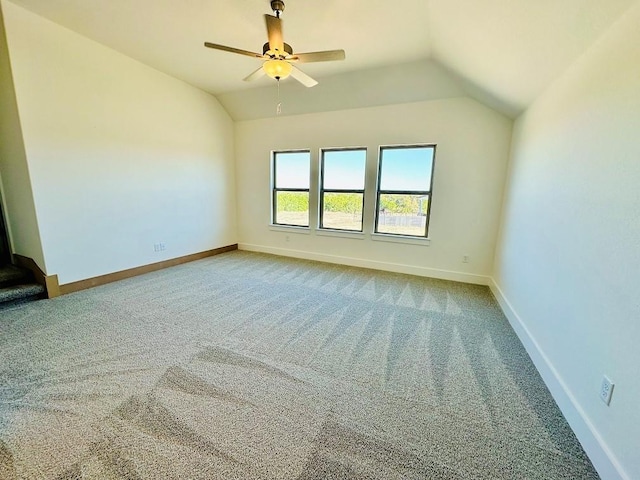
[[601, 456], [373, 264]]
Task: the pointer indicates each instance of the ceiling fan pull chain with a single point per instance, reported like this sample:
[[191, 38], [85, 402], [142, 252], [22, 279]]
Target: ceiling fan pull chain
[[279, 106]]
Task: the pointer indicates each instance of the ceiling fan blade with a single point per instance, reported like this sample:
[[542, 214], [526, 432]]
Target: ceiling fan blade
[[325, 56], [274, 31], [232, 50], [302, 77], [257, 74]]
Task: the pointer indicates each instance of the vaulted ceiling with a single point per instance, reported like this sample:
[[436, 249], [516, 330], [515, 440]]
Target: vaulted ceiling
[[502, 52]]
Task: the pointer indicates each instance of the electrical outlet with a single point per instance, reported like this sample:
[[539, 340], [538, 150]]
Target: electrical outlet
[[163, 246], [606, 390], [465, 259]]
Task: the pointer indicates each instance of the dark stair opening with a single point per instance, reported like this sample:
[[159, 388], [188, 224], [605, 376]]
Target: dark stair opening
[[17, 286]]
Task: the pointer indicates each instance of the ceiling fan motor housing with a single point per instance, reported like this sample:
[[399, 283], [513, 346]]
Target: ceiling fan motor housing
[[277, 6], [288, 50]]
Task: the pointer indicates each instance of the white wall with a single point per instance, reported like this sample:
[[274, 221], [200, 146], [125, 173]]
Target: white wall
[[472, 150], [121, 156], [15, 184], [568, 262]]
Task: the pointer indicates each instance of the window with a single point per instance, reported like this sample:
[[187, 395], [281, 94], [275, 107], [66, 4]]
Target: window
[[405, 176], [290, 195], [342, 189]]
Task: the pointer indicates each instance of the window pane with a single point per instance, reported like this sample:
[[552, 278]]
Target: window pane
[[344, 169], [406, 169], [342, 211], [292, 208], [292, 169], [403, 214]]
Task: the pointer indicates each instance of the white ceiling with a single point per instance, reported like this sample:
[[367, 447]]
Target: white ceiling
[[504, 52]]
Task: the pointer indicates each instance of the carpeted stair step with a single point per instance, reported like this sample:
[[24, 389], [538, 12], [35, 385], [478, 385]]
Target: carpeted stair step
[[20, 293], [17, 286], [12, 275]]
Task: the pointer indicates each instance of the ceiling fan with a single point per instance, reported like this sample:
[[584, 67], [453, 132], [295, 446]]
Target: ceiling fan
[[278, 56]]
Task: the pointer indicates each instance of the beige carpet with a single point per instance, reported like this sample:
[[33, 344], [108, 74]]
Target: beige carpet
[[249, 366]]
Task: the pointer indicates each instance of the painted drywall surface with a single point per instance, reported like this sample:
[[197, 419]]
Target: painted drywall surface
[[17, 197], [122, 157], [472, 150], [568, 258], [405, 83], [417, 81]]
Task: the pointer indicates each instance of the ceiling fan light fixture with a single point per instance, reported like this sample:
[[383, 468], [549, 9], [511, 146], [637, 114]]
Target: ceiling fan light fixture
[[277, 56], [278, 69]]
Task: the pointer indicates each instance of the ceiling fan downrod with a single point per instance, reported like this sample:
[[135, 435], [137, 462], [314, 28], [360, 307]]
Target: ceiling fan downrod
[[278, 7]]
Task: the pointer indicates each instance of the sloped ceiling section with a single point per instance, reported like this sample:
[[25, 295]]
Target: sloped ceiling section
[[513, 49], [502, 52], [409, 82]]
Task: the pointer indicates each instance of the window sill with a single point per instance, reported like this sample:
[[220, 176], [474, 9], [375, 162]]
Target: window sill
[[382, 237], [290, 229], [340, 234]]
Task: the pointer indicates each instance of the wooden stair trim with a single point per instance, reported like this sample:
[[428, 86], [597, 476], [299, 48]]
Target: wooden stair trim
[[49, 282]]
